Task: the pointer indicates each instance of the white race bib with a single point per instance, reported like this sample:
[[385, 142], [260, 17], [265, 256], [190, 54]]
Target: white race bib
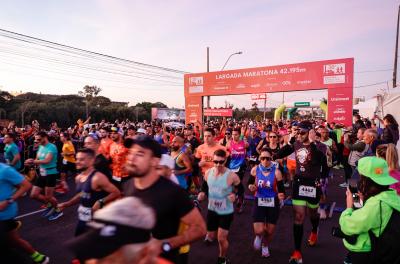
[[217, 204], [307, 191], [84, 213], [43, 172], [116, 178], [266, 202]]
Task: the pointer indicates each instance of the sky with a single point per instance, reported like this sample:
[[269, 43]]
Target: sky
[[175, 34]]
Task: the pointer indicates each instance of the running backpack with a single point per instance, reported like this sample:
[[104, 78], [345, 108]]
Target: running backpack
[[385, 249]]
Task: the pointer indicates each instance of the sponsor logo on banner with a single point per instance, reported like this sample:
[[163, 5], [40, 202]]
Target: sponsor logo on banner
[[338, 99], [218, 112], [196, 84], [338, 68], [334, 79]]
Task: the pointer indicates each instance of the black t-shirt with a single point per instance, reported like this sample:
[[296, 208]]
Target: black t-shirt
[[102, 164], [170, 203]]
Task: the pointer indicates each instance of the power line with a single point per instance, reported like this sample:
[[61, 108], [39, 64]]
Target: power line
[[30, 39]]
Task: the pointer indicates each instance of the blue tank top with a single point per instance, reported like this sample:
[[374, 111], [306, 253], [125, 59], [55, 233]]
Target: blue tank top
[[181, 177], [265, 184], [218, 191], [238, 155]]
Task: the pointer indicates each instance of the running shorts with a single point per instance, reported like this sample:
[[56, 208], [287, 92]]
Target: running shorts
[[46, 181], [266, 214], [215, 221], [306, 192]]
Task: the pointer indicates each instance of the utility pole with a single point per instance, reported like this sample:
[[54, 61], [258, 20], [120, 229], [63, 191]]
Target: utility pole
[[265, 104], [395, 52], [208, 70]]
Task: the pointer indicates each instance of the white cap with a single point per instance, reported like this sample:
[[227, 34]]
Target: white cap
[[167, 160], [141, 130]]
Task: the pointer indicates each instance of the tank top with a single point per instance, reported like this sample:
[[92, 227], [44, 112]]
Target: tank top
[[266, 184], [238, 155], [181, 177], [218, 191], [88, 198]]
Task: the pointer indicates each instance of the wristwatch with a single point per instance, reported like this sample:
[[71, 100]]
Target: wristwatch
[[101, 202], [166, 247]]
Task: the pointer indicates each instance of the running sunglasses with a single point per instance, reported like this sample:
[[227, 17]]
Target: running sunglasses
[[266, 158], [272, 136], [219, 162]]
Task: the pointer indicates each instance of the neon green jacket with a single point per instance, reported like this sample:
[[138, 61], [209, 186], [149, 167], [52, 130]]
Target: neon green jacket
[[359, 221]]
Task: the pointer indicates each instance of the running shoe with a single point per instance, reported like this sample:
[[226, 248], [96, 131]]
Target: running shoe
[[257, 243], [344, 185], [48, 211], [296, 258], [61, 190], [312, 239], [265, 252], [41, 259], [55, 215]]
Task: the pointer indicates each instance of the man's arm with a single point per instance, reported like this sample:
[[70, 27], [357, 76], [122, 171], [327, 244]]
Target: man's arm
[[358, 146], [46, 160], [196, 229], [284, 152], [100, 182], [187, 163], [16, 158]]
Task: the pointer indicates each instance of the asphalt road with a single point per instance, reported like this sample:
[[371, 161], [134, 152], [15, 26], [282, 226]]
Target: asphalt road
[[48, 237]]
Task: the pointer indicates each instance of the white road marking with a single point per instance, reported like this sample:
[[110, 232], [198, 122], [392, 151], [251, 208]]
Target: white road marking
[[31, 213]]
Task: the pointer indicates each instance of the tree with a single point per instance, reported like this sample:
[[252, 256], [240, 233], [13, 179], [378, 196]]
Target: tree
[[89, 93]]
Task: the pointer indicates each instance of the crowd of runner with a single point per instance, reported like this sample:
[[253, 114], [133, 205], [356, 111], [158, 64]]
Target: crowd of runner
[[152, 179]]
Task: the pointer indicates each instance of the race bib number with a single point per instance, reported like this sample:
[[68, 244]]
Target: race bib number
[[307, 191], [217, 204], [84, 213], [43, 172], [266, 202], [116, 178]]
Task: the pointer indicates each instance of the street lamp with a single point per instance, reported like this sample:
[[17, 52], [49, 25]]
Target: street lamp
[[236, 53]]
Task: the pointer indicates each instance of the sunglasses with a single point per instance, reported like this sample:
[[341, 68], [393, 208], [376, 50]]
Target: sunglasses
[[272, 136], [266, 158], [219, 162], [228, 134]]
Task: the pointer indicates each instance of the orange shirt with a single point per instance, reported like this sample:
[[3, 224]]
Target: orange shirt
[[118, 153], [206, 153], [104, 148]]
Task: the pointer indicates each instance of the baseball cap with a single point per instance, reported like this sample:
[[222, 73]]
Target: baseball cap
[[141, 130], [126, 221], [145, 142], [376, 169], [167, 160], [305, 125], [114, 129]]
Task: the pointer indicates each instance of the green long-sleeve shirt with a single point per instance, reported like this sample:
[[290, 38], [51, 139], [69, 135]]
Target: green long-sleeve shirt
[[371, 216]]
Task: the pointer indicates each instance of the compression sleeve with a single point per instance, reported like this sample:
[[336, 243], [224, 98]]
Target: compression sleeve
[[204, 187]]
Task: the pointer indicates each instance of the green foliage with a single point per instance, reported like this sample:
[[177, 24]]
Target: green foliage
[[67, 109]]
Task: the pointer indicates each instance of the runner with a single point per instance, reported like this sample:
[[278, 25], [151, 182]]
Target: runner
[[93, 189], [170, 202], [11, 152], [101, 163], [237, 149], [267, 183], [46, 181], [118, 153], [183, 165], [205, 152], [68, 162], [161, 137], [228, 137], [12, 186], [219, 184], [306, 188], [105, 142]]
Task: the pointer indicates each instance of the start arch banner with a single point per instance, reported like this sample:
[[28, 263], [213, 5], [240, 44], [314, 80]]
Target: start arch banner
[[334, 75]]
